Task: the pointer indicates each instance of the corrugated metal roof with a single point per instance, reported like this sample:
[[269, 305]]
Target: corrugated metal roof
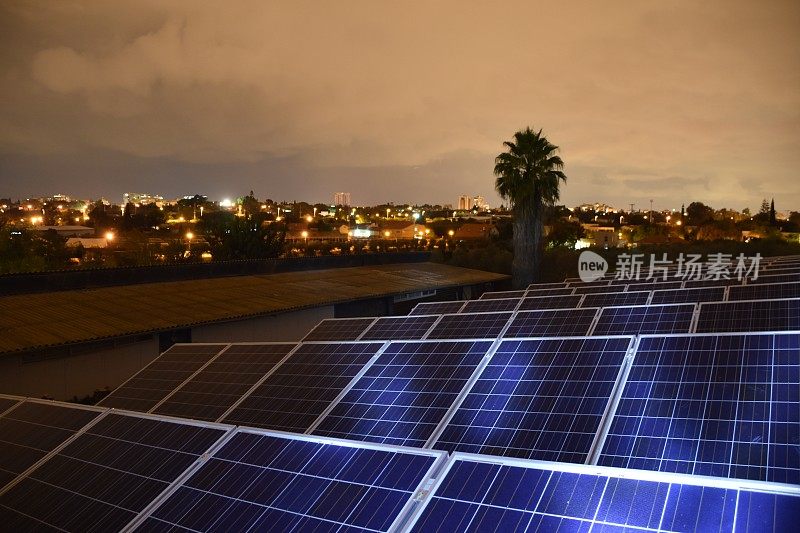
[[33, 321]]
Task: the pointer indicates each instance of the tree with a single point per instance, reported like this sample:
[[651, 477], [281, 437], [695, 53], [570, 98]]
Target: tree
[[699, 213], [232, 237], [529, 174], [772, 220]]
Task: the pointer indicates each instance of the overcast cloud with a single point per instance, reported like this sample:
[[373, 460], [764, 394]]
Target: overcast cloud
[[400, 101]]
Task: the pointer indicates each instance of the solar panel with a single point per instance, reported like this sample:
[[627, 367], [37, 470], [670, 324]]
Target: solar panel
[[488, 306], [758, 315], [339, 329], [405, 394], [634, 320], [470, 326], [551, 323], [616, 298], [695, 284], [765, 291], [399, 328], [481, 494], [680, 296], [774, 278], [158, 379], [541, 399], [597, 289], [34, 429], [503, 294], [598, 283], [718, 405], [437, 308], [262, 482], [106, 476], [550, 302], [554, 285], [656, 285], [213, 390], [302, 387], [7, 403], [548, 292]]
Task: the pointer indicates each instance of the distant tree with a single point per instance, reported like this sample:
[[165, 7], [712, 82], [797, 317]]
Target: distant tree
[[529, 174], [232, 237], [772, 219], [250, 204], [699, 213], [746, 212], [565, 234]]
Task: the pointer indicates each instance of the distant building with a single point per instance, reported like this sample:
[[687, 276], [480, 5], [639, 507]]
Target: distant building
[[341, 198], [480, 202], [137, 198], [67, 231], [474, 231], [464, 203], [402, 229]]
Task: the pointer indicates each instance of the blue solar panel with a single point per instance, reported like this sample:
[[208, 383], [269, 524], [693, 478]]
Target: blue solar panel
[[538, 399], [476, 494], [554, 285], [502, 294], [339, 329], [551, 323], [597, 289], [680, 296], [437, 308], [549, 292], [260, 482], [106, 476], [744, 316], [775, 278], [490, 305], [616, 298], [405, 394], [550, 302], [636, 320], [719, 405], [303, 386], [765, 291], [399, 328], [655, 285], [470, 326]]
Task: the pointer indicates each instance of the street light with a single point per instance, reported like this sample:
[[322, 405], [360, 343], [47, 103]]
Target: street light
[[109, 236], [189, 237], [305, 236]]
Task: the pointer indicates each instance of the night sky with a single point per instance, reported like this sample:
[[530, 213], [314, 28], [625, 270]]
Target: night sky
[[400, 101]]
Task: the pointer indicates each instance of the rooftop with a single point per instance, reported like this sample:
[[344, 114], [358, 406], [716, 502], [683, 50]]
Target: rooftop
[[35, 321]]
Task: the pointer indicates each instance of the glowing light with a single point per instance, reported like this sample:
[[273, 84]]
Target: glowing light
[[109, 236], [189, 235], [309, 218], [226, 203], [451, 233], [387, 233], [304, 234]]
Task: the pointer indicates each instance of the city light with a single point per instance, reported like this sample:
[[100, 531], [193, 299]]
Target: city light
[[451, 233], [109, 236], [387, 233], [189, 235]]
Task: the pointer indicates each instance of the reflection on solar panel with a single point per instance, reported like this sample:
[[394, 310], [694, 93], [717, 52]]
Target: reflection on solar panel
[[405, 394], [34, 429], [101, 480], [400, 328], [656, 285], [680, 296], [300, 389], [551, 323], [719, 405], [765, 291], [209, 394], [550, 302], [470, 326], [437, 308], [502, 294], [616, 298], [759, 315], [487, 306], [549, 292], [645, 319], [339, 329], [541, 399], [262, 482], [158, 379], [478, 494], [776, 278]]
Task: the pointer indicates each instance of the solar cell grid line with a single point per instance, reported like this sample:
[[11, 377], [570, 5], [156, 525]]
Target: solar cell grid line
[[32, 430], [400, 328], [503, 294], [164, 374], [105, 476], [534, 303], [480, 493], [218, 385], [641, 319], [437, 308], [696, 295], [566, 291], [470, 326], [749, 316], [765, 291], [538, 398], [405, 393], [710, 404], [552, 323], [273, 481], [297, 392], [616, 298], [339, 329], [491, 305]]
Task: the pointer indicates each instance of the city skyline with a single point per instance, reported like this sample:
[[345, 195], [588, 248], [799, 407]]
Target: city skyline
[[674, 103]]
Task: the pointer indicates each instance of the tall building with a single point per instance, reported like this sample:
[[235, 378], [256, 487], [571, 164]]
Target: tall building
[[464, 203], [341, 198], [480, 202]]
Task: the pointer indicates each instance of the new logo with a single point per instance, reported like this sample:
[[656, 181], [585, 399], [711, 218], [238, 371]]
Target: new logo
[[591, 266]]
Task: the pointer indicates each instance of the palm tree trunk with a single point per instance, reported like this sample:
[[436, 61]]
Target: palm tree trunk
[[523, 265], [538, 244]]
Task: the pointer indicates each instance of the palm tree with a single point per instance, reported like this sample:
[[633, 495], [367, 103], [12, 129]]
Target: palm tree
[[529, 175]]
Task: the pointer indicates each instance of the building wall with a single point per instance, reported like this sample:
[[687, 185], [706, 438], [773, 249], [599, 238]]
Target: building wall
[[277, 328]]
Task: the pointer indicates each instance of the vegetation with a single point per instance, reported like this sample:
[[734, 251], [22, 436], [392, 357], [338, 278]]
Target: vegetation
[[529, 174]]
